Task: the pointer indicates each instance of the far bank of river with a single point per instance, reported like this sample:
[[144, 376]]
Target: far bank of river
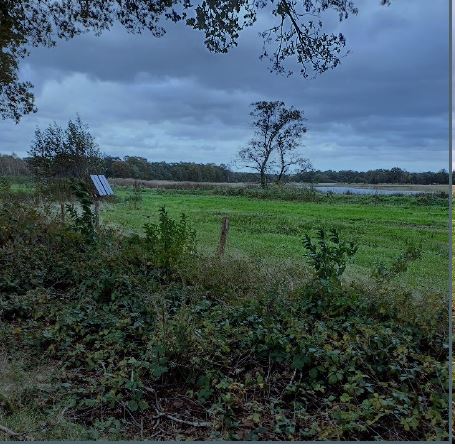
[[381, 189]]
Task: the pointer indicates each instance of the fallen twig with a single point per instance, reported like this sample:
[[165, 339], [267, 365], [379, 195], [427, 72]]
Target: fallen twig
[[8, 431], [179, 420]]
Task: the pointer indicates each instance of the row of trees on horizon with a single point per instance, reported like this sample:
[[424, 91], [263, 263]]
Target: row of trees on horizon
[[274, 153], [140, 168]]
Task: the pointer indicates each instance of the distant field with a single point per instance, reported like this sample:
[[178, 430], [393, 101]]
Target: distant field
[[272, 229]]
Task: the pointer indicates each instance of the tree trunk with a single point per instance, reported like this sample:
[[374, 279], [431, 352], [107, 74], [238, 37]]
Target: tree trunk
[[280, 177], [263, 178]]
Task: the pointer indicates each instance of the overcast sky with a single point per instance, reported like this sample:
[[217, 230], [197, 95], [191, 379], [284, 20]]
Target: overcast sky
[[170, 99]]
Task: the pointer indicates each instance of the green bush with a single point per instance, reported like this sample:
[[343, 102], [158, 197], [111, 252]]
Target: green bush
[[329, 254], [84, 222], [5, 186], [169, 242]]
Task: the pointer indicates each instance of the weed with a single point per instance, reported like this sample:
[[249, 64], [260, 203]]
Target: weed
[[135, 198], [85, 222], [5, 186], [382, 272], [169, 242], [329, 254]]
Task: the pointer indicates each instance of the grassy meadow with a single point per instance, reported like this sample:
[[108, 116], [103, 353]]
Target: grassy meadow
[[272, 230]]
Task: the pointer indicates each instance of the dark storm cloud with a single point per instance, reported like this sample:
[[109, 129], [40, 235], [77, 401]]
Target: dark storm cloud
[[169, 98]]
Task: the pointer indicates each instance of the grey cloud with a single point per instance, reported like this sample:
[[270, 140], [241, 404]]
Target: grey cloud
[[170, 98]]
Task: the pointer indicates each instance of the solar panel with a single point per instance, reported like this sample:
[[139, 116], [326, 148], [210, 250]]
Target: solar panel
[[98, 185], [105, 184]]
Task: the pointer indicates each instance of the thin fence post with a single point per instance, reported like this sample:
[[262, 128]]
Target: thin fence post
[[223, 236]]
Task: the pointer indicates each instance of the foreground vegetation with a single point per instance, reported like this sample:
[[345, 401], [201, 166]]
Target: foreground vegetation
[[140, 335]]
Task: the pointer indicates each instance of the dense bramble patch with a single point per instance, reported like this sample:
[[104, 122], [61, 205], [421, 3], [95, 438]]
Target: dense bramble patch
[[154, 341]]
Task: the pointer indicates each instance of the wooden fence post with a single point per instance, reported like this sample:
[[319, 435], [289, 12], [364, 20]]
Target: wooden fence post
[[223, 236]]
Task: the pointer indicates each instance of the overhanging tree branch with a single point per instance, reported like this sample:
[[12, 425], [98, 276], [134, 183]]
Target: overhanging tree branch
[[31, 23]]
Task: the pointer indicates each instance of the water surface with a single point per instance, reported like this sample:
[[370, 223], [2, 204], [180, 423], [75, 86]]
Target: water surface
[[368, 191]]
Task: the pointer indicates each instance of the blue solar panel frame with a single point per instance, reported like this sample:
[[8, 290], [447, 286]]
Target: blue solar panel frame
[[100, 191], [105, 184]]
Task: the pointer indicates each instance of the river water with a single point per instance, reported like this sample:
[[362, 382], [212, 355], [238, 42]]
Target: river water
[[366, 191]]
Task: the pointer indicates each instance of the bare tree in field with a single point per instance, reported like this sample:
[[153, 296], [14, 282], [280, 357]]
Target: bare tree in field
[[278, 131]]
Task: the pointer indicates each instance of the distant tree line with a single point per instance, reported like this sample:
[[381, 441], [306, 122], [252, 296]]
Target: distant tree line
[[141, 168], [379, 176], [12, 165]]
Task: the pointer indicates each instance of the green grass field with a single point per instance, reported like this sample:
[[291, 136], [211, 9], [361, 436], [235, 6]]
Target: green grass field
[[272, 230]]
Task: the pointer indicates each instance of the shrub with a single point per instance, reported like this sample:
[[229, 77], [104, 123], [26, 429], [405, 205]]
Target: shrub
[[169, 242], [329, 254], [5, 186], [86, 221]]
